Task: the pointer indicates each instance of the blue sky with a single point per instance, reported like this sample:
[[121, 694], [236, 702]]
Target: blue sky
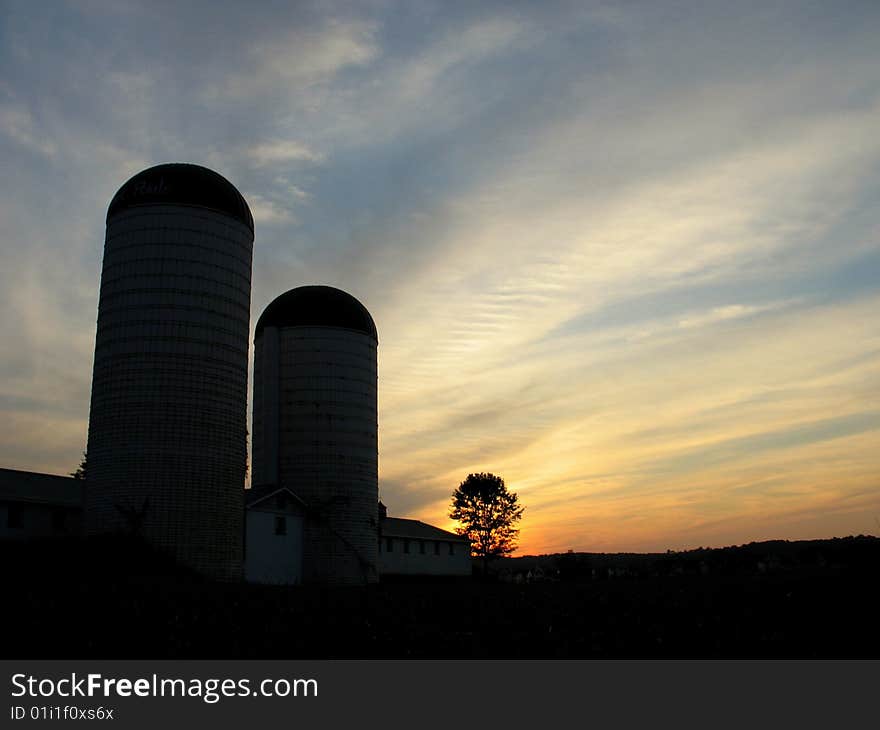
[[626, 255]]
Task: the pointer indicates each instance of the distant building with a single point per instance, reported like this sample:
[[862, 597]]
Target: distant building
[[414, 548], [39, 505]]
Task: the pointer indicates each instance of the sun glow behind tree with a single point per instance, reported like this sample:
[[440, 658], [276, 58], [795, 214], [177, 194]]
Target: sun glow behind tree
[[487, 513]]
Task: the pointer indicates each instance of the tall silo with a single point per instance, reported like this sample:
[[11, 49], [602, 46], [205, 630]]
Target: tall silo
[[315, 425], [168, 424]]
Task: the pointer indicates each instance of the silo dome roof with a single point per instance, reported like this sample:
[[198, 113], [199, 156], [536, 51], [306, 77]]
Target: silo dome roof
[[317, 306], [182, 184]]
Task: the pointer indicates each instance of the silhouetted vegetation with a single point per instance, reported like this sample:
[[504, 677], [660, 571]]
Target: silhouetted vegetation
[[487, 512], [81, 470], [116, 597]]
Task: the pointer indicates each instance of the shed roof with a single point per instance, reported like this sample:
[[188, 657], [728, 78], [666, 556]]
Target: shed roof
[[29, 486]]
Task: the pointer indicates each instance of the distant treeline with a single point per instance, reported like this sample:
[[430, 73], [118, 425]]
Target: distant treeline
[[861, 552], [117, 598]]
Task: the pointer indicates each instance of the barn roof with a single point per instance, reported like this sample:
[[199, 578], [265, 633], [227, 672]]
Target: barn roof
[[399, 527], [257, 494]]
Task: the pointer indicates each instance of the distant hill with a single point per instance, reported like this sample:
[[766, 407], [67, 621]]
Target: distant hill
[[771, 556], [117, 598]]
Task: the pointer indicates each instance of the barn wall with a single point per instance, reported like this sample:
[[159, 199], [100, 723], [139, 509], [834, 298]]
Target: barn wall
[[399, 562], [271, 558]]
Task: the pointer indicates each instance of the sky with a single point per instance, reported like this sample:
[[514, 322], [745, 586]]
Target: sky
[[625, 255]]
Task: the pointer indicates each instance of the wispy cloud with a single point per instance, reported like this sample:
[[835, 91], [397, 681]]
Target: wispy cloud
[[292, 60], [267, 153], [269, 212], [727, 313], [622, 256], [18, 124]]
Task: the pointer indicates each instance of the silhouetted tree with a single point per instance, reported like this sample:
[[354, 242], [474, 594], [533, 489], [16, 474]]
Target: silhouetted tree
[[80, 472], [487, 513]]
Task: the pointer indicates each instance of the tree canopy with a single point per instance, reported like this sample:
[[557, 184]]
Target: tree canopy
[[487, 513]]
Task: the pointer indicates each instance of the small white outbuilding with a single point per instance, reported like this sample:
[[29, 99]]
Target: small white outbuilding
[[274, 518]]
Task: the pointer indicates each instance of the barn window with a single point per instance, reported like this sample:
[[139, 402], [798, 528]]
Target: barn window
[[280, 525], [422, 547], [436, 547], [406, 546], [451, 548], [14, 517], [389, 545]]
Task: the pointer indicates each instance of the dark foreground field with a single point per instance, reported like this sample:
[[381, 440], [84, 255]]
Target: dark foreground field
[[104, 599]]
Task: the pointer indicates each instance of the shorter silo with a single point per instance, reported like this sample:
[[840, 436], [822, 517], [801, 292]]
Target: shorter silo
[[315, 427]]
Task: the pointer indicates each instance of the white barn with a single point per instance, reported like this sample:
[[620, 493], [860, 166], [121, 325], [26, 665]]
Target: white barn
[[36, 505], [276, 522], [414, 548]]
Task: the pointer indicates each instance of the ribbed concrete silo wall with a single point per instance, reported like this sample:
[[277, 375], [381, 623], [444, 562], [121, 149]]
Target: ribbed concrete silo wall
[[167, 430], [322, 441]]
